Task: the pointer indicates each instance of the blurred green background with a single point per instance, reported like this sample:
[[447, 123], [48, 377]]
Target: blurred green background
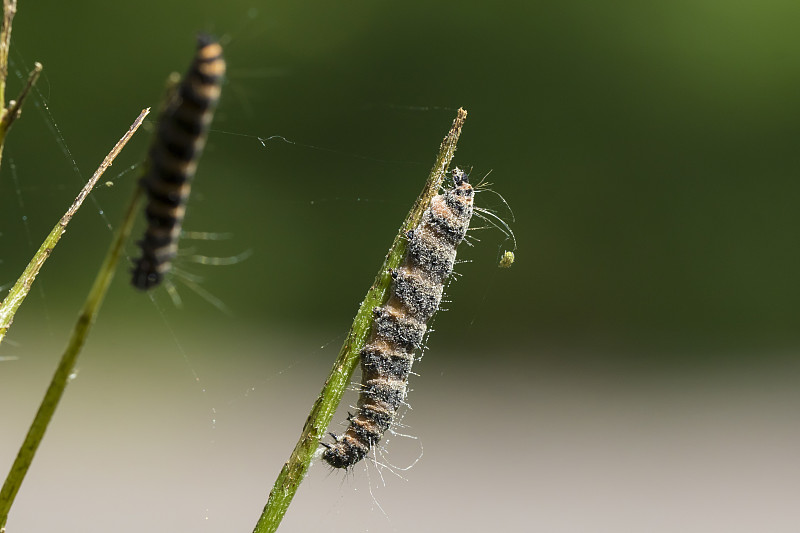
[[649, 154]]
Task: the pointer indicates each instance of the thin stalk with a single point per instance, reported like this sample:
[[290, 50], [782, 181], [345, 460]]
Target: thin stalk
[[12, 113], [324, 407], [23, 285], [79, 335], [15, 106], [9, 10]]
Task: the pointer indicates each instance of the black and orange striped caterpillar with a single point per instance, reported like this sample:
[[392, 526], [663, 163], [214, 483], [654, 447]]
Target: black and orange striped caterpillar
[[399, 326], [180, 139]]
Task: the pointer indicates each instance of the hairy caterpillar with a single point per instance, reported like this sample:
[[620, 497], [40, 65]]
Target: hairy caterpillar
[[399, 325], [181, 136]]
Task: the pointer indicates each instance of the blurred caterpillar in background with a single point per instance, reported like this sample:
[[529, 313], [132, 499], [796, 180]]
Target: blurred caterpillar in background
[[399, 325], [180, 139]]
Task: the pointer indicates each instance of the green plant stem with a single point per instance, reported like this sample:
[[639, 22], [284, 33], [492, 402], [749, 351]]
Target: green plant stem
[[9, 10], [23, 285], [324, 407], [79, 333]]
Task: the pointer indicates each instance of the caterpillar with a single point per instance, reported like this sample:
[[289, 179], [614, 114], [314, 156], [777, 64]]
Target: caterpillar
[[180, 139], [399, 326]]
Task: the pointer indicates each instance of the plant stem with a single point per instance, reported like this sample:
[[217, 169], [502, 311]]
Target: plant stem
[[324, 407], [12, 113], [79, 333], [15, 106], [9, 10], [23, 285]]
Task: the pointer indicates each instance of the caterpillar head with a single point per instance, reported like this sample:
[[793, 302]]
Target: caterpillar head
[[462, 194], [459, 177]]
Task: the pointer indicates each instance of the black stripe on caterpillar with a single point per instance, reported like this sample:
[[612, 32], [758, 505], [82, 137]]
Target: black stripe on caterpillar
[[180, 139], [399, 326]]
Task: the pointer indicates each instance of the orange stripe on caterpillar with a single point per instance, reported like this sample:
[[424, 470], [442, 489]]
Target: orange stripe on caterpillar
[[180, 139], [399, 326]]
